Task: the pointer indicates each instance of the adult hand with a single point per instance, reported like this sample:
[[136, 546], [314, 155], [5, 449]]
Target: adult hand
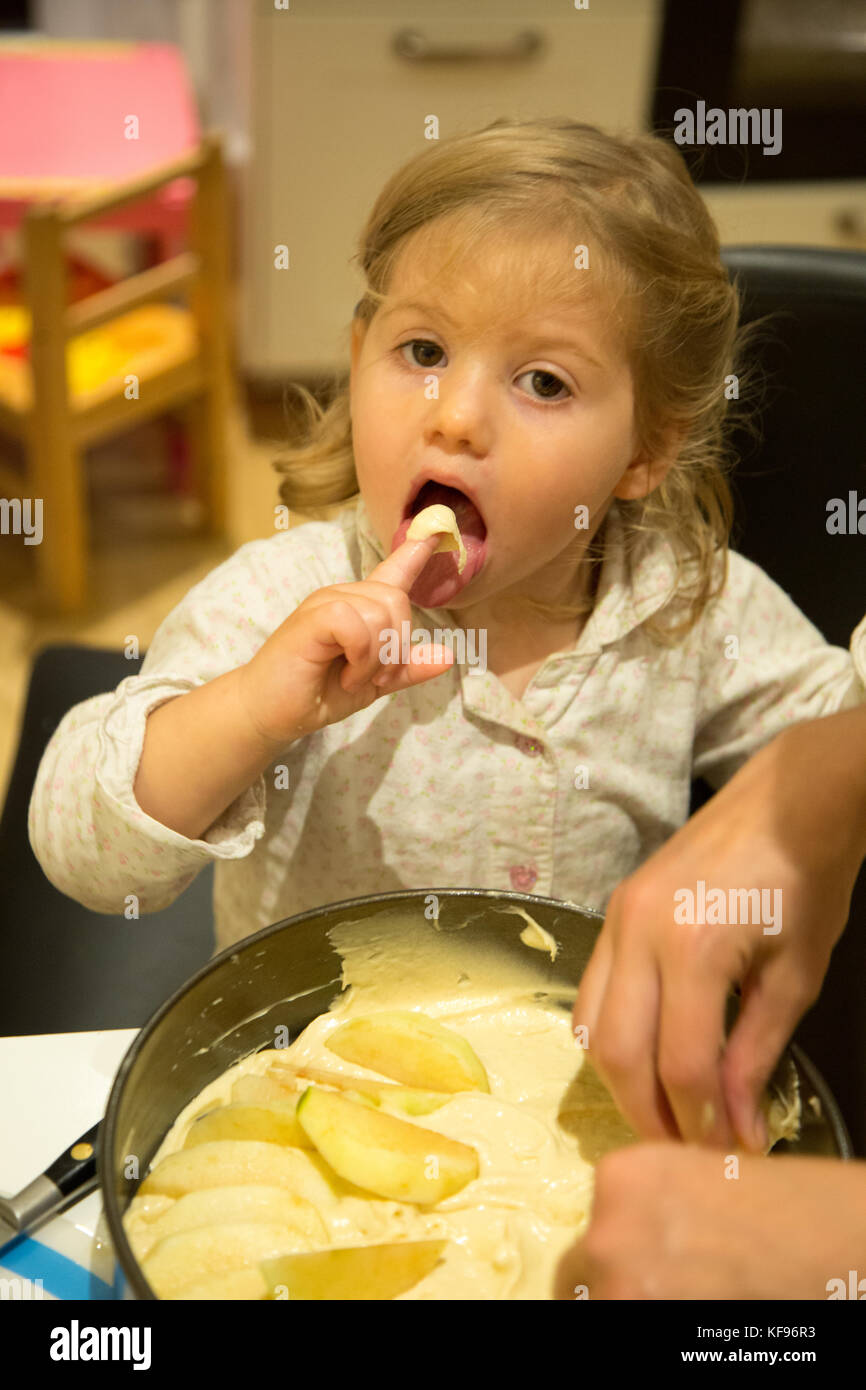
[[653, 996], [675, 1221]]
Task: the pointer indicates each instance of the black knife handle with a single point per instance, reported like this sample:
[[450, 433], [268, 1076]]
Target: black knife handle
[[77, 1164]]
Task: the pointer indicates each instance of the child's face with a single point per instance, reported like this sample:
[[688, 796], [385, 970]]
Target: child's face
[[526, 403]]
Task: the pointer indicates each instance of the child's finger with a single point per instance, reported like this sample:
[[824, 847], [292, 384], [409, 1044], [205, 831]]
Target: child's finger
[[336, 627], [402, 567], [425, 661]]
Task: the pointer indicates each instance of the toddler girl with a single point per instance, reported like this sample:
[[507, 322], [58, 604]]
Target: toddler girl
[[544, 345]]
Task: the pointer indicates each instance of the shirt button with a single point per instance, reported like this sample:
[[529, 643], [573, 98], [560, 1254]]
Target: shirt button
[[522, 877], [529, 746]]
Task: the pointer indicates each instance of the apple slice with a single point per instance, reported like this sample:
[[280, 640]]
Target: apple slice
[[354, 1272], [405, 1099], [440, 521], [206, 1251], [261, 1090], [233, 1162], [383, 1154], [274, 1123], [238, 1285], [413, 1049], [408, 1100], [148, 1208], [215, 1206]]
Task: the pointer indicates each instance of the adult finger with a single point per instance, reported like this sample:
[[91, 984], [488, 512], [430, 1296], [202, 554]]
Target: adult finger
[[593, 983], [572, 1275], [623, 1045], [694, 992], [773, 1001]]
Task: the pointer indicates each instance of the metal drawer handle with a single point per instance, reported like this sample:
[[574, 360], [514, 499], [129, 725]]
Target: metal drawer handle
[[417, 48], [850, 222]]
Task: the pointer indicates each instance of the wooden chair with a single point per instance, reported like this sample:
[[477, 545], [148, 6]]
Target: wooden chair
[[182, 359]]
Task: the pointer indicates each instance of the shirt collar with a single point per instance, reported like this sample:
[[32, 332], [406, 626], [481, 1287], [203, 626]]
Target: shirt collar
[[637, 579], [631, 587]]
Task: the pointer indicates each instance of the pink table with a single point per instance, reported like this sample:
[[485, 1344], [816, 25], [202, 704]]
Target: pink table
[[64, 109]]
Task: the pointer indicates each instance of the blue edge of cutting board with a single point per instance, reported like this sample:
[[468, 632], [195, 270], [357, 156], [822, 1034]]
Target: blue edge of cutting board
[[60, 1276]]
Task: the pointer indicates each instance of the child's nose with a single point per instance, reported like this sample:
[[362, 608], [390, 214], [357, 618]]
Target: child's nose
[[463, 405]]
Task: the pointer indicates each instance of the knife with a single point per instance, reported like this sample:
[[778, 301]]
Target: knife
[[69, 1178]]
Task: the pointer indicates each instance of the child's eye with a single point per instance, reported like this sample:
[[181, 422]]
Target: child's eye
[[548, 377], [541, 379], [423, 343]]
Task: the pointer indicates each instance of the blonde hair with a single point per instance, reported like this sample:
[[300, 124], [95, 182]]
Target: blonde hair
[[655, 254]]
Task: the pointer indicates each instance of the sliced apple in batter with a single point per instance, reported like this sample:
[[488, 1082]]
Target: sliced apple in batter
[[382, 1154], [405, 1099], [353, 1272], [274, 1123], [261, 1090], [411, 1048], [152, 1205], [233, 1162], [215, 1206], [237, 1285], [210, 1250]]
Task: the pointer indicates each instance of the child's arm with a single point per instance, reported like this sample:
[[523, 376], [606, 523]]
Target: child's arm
[[131, 777], [203, 750], [92, 839]]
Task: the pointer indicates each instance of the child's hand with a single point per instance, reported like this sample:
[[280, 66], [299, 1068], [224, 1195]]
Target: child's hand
[[653, 995], [319, 665]]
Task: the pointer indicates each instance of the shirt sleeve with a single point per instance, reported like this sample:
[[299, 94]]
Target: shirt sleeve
[[92, 839], [765, 666]]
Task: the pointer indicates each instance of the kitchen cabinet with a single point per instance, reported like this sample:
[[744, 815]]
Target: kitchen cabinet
[[338, 102], [803, 214], [340, 95]]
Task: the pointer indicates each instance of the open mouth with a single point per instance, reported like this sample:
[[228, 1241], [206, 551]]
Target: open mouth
[[469, 519], [440, 582]]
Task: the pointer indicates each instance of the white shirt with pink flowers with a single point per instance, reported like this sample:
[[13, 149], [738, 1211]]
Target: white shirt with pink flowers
[[453, 783]]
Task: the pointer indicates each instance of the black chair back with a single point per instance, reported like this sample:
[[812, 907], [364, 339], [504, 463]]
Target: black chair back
[[67, 969], [811, 452]]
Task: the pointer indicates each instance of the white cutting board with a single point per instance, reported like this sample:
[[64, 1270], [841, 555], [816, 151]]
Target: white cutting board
[[53, 1087]]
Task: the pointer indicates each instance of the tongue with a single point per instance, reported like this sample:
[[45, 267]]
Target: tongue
[[439, 583]]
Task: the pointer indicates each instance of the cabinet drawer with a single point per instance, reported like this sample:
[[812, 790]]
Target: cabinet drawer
[[800, 214], [336, 110]]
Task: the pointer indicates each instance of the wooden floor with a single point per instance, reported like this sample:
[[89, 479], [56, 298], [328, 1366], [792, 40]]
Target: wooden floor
[[145, 553]]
